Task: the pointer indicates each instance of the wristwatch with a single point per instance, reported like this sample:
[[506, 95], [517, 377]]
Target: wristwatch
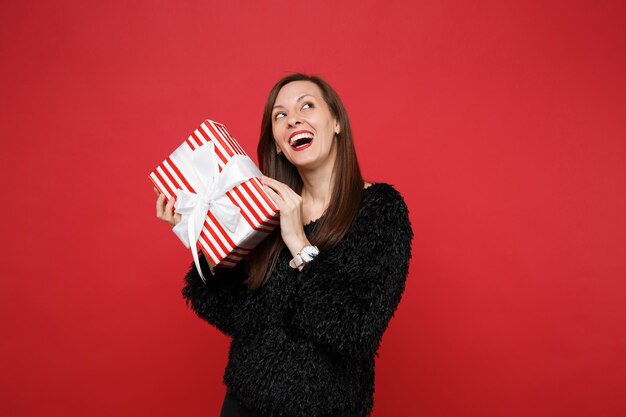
[[305, 255]]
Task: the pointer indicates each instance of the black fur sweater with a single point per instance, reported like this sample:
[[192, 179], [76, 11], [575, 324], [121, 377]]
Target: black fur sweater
[[304, 343]]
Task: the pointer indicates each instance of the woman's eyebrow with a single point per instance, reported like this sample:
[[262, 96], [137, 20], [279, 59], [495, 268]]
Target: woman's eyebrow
[[298, 100], [301, 97]]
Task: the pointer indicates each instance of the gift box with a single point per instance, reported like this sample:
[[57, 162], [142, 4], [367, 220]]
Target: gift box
[[217, 190]]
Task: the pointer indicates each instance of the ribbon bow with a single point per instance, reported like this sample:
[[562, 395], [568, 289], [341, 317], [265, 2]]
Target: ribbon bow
[[211, 196]]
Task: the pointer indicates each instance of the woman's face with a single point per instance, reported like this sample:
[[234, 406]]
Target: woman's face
[[303, 126]]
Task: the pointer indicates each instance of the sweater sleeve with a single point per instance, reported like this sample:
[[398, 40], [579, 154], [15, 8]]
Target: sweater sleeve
[[218, 299], [347, 295]]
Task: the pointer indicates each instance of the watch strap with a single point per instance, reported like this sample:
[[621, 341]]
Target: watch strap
[[305, 255]]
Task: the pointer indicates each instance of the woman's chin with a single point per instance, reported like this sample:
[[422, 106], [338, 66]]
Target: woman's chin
[[310, 161]]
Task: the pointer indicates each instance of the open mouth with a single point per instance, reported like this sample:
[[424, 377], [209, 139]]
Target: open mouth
[[301, 140]]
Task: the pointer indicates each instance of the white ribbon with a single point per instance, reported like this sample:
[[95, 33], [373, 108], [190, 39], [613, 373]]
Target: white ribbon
[[211, 196]]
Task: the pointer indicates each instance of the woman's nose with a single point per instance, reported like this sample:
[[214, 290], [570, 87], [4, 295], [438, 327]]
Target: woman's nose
[[294, 120]]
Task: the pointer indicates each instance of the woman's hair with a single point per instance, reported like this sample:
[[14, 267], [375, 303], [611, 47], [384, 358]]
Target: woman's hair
[[346, 191]]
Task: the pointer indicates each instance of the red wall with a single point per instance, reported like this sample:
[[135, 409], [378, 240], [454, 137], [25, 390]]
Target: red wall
[[502, 123]]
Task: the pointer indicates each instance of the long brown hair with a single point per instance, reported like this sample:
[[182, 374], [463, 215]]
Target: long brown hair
[[346, 191]]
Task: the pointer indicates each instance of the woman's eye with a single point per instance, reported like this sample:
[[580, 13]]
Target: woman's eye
[[307, 106], [279, 116]]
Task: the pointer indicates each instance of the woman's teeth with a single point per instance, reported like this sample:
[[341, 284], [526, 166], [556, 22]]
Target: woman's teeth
[[301, 140]]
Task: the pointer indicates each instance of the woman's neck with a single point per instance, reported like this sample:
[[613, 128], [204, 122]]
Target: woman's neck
[[317, 185], [317, 188]]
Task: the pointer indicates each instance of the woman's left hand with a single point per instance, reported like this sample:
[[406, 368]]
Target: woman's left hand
[[290, 205]]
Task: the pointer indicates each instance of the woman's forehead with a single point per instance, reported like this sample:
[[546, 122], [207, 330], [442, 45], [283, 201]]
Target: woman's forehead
[[295, 90]]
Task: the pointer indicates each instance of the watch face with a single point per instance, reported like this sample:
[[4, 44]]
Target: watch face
[[309, 252]]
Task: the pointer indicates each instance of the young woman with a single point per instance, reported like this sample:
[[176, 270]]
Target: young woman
[[307, 309]]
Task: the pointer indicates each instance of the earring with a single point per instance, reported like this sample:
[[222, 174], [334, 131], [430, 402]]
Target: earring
[[278, 151]]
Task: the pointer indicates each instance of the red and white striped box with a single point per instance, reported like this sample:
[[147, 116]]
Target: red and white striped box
[[259, 214]]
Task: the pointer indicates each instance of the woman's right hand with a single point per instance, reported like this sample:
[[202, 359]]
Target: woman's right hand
[[165, 211]]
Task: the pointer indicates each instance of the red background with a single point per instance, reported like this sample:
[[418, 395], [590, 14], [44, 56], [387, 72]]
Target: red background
[[501, 122]]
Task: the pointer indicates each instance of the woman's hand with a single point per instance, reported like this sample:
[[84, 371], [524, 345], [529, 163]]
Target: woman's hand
[[165, 211], [290, 206]]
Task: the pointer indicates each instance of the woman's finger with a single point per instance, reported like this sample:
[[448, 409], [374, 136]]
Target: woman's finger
[[288, 195], [159, 205], [274, 196], [293, 197], [165, 211], [169, 208], [272, 182], [280, 188]]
